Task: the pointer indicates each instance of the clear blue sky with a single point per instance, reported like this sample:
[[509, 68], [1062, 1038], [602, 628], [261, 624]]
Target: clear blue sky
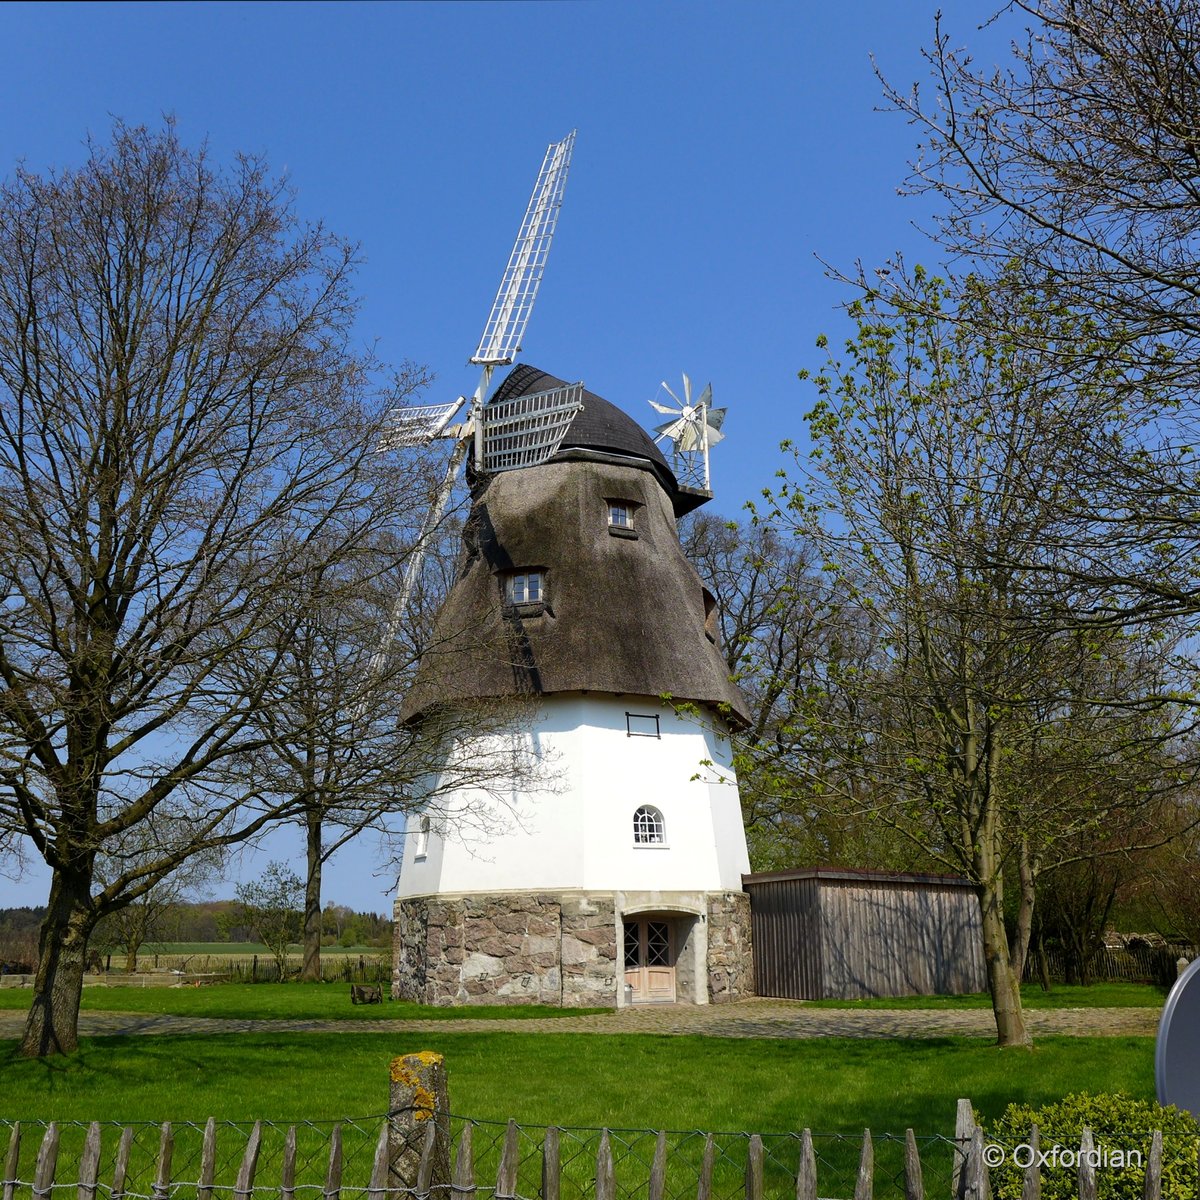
[[723, 151]]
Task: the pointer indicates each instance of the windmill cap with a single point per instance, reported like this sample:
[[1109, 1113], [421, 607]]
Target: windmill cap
[[600, 428]]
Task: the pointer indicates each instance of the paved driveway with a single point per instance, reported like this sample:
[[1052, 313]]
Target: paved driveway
[[758, 1018]]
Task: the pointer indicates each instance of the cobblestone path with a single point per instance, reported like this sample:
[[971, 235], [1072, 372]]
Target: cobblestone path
[[757, 1018]]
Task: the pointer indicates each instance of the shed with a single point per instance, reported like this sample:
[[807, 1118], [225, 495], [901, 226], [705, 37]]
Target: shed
[[822, 934]]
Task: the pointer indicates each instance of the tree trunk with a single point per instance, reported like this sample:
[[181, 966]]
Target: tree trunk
[[52, 1026], [1043, 964], [310, 972], [1003, 984]]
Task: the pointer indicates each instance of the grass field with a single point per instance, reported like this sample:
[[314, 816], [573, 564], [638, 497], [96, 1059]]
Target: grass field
[[1097, 995], [275, 1001], [241, 949], [834, 1086], [639, 1081]]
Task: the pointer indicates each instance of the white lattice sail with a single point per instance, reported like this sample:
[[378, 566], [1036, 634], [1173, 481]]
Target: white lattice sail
[[527, 430]]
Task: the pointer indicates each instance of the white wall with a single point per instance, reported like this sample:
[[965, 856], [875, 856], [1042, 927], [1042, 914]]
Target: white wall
[[575, 828]]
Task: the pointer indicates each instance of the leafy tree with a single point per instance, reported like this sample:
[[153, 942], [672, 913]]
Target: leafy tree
[[939, 456], [186, 436], [270, 907], [788, 641]]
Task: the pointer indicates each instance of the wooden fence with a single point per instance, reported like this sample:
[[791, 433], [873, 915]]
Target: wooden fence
[[546, 1176], [421, 1152]]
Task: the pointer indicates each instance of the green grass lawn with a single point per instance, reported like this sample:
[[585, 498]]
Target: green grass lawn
[[276, 1001], [630, 1081], [1097, 995], [216, 949], [578, 1081]]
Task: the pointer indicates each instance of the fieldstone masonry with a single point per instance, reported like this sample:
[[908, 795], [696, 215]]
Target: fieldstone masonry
[[730, 962], [534, 948], [543, 948]]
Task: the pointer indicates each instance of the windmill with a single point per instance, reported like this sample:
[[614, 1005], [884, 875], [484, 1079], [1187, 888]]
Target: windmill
[[522, 432], [694, 427]]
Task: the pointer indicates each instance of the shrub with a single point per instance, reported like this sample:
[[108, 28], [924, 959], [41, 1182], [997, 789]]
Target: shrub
[[1120, 1125]]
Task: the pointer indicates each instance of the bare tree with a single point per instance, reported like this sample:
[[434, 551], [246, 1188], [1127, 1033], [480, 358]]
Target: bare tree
[[1078, 165], [185, 435], [154, 915], [334, 749]]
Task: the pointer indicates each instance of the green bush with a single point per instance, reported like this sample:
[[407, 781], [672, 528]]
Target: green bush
[[1120, 1125]]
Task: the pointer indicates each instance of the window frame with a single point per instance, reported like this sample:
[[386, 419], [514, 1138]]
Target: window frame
[[630, 731], [524, 575], [421, 846], [629, 508], [649, 828]]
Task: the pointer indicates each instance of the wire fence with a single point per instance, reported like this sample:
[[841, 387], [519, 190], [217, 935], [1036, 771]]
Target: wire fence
[[687, 1157]]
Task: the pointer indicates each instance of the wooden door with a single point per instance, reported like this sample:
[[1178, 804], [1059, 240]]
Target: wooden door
[[650, 960]]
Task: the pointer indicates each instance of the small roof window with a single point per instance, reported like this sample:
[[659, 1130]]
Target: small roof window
[[525, 587]]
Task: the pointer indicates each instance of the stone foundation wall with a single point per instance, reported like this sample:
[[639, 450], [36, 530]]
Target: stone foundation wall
[[730, 962], [520, 949], [545, 948]]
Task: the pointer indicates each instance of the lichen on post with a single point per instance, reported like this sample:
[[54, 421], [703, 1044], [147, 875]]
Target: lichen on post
[[419, 1095]]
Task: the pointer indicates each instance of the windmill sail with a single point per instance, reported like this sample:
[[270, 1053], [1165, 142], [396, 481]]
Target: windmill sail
[[417, 424], [527, 430], [505, 327]]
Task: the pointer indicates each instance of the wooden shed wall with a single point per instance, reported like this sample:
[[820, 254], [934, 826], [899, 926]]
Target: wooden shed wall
[[785, 920], [902, 939], [817, 937]]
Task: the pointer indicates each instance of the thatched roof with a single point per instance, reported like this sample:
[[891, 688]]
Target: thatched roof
[[622, 614]]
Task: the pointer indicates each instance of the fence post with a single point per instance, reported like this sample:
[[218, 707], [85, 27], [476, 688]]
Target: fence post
[[463, 1183], [658, 1170], [11, 1160], [806, 1176], [333, 1175], [419, 1096], [121, 1167], [287, 1169], [47, 1161], [704, 1186], [425, 1166], [964, 1124], [1152, 1184], [975, 1173], [551, 1164], [754, 1169], [162, 1178], [1031, 1185], [510, 1156], [1087, 1168], [89, 1163], [606, 1188], [245, 1177], [914, 1184], [865, 1183]]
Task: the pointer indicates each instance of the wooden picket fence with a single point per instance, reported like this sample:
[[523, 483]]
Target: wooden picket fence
[[412, 1159]]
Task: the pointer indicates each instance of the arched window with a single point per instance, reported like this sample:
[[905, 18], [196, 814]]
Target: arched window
[[649, 829]]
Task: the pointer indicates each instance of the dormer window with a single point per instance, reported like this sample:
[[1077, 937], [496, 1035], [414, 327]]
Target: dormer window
[[526, 587], [621, 518]]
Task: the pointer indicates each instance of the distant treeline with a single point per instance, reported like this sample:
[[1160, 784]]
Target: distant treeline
[[214, 921]]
